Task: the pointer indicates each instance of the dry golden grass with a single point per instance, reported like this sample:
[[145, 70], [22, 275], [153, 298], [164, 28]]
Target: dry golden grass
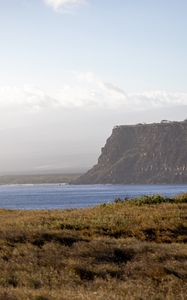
[[114, 251]]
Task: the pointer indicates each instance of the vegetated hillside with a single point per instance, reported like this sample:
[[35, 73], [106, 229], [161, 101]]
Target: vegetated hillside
[[143, 153]]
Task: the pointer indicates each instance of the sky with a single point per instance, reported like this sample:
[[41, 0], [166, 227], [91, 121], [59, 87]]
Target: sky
[[70, 70]]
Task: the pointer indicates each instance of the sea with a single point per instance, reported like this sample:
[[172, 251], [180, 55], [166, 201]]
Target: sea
[[65, 196]]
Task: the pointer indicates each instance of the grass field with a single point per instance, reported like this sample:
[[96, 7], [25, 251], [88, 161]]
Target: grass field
[[125, 250]]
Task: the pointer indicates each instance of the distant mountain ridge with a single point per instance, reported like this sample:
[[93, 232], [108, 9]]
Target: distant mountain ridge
[[142, 154]]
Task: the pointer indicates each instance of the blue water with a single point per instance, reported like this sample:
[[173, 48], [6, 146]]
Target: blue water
[[55, 196]]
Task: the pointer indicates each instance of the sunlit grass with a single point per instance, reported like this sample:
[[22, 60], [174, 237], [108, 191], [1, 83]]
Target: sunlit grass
[[133, 249]]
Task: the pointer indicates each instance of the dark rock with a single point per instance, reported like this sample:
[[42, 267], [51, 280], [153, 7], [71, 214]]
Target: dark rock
[[142, 154]]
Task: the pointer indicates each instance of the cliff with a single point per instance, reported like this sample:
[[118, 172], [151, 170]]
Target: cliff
[[142, 154]]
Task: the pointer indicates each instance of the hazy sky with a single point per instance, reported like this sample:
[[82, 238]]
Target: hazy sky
[[70, 70]]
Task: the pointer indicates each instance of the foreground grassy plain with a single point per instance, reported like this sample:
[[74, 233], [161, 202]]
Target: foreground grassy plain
[[125, 250]]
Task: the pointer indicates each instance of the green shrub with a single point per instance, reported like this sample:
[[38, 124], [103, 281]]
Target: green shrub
[[118, 200], [156, 199]]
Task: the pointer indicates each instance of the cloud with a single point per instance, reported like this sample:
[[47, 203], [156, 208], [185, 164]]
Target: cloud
[[28, 98], [158, 99], [86, 92], [114, 88], [64, 5]]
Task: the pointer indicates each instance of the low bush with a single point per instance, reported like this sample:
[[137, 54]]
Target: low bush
[[153, 199]]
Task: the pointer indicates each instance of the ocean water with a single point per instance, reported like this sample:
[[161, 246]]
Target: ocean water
[[62, 196]]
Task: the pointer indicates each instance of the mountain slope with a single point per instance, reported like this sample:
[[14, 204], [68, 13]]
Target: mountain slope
[[142, 153]]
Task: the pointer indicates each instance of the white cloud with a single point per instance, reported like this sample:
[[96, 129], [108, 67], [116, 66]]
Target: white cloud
[[154, 99], [64, 5], [86, 92], [28, 98]]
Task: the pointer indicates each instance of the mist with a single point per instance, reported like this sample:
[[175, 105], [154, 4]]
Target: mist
[[65, 140]]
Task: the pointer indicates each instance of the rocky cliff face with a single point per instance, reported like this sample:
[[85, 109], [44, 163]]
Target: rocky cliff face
[[142, 154]]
